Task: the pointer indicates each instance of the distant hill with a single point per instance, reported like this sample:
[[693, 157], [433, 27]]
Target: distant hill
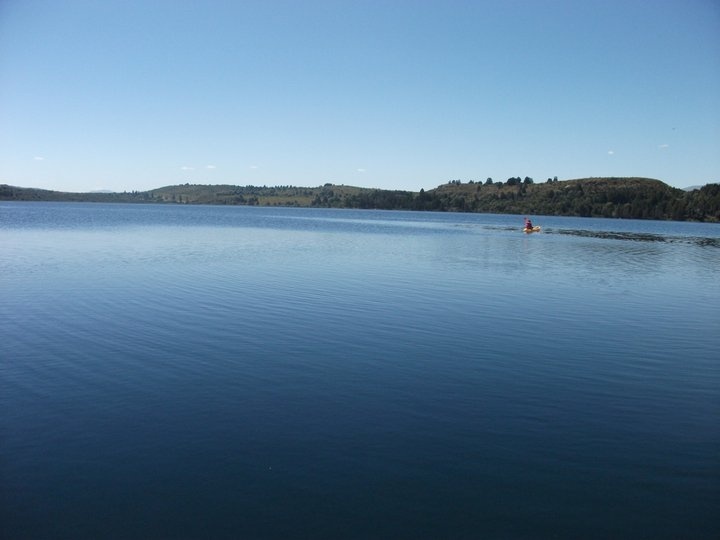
[[640, 198]]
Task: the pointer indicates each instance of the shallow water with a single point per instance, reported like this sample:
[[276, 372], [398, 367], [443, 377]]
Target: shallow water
[[190, 371]]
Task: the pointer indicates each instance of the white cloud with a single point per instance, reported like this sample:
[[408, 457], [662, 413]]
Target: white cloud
[[186, 168], [663, 146], [39, 158], [254, 167], [361, 170], [611, 152], [210, 167]]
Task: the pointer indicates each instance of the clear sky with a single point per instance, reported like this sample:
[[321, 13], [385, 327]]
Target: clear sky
[[134, 95]]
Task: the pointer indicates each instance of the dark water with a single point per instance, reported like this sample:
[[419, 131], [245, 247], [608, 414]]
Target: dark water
[[209, 372]]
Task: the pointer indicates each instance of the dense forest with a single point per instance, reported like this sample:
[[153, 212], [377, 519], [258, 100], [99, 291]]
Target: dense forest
[[638, 198]]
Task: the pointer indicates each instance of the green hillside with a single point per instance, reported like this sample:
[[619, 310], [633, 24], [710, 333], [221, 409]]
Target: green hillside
[[639, 198]]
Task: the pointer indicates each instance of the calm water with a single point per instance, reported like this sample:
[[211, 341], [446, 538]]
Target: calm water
[[234, 372]]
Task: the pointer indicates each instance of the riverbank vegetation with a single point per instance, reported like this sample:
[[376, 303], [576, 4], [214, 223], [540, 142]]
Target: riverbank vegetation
[[637, 198]]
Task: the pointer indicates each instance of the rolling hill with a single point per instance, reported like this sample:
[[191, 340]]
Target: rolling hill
[[639, 198]]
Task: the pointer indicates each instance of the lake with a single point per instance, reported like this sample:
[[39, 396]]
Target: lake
[[243, 372]]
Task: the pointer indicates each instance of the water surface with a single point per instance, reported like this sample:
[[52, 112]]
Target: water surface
[[238, 372]]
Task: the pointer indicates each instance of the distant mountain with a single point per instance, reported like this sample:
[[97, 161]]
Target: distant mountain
[[691, 188], [638, 198]]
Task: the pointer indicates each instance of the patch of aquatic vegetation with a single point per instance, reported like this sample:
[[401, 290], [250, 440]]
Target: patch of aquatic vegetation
[[501, 228], [611, 235], [638, 237], [712, 242]]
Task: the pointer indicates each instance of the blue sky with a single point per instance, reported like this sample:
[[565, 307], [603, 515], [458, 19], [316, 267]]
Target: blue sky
[[134, 95]]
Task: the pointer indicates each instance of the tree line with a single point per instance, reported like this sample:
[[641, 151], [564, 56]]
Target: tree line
[[636, 198], [628, 198]]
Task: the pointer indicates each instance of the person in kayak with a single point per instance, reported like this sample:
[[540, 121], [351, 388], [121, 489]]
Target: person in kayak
[[528, 224]]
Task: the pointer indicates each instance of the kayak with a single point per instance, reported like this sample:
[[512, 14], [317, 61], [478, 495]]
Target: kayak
[[536, 228]]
